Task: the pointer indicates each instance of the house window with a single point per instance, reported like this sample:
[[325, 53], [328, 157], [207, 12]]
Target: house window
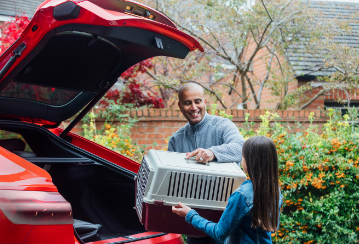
[[342, 106]]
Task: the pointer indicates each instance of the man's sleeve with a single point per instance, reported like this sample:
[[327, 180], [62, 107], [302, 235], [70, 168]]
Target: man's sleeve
[[232, 216], [231, 149]]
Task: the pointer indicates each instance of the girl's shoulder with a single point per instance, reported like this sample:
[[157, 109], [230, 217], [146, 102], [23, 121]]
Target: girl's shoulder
[[246, 190]]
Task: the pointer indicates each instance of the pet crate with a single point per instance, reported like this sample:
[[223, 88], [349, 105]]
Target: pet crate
[[166, 178]]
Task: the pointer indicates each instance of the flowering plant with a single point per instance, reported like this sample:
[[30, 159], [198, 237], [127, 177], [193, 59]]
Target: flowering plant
[[319, 178], [110, 135]]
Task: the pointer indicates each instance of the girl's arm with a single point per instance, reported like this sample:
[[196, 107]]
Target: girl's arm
[[230, 219]]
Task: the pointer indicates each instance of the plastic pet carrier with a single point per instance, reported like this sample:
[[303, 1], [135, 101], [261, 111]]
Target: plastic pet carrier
[[166, 178]]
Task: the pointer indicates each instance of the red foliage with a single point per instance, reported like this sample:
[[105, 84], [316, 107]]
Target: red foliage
[[133, 94], [11, 31]]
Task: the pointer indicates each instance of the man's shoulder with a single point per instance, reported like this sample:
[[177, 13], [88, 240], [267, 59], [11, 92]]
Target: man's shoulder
[[218, 121], [180, 131]]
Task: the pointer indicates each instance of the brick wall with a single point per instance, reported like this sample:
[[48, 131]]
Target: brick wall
[[156, 125]]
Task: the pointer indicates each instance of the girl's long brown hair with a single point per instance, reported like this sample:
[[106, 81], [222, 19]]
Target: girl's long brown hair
[[261, 158]]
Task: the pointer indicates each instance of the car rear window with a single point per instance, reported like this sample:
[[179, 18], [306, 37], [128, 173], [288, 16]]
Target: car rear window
[[43, 94]]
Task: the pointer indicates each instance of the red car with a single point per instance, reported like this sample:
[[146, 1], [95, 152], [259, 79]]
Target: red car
[[57, 187]]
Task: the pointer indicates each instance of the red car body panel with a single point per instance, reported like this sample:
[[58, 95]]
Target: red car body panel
[[18, 174], [166, 239]]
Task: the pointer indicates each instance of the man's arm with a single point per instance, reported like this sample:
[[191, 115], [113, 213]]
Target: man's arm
[[231, 149]]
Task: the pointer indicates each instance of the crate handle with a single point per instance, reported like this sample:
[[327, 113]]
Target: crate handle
[[194, 159]]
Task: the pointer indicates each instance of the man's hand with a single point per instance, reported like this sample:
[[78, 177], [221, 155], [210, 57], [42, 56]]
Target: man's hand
[[202, 155], [182, 210]]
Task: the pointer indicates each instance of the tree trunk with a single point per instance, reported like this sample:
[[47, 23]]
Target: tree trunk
[[244, 91]]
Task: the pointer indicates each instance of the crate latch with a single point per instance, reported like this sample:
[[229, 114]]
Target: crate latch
[[158, 203]]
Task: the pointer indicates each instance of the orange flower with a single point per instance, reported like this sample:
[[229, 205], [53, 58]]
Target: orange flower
[[289, 164], [301, 157], [342, 186]]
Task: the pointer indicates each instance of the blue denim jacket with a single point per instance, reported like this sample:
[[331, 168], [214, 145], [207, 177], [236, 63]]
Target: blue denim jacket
[[234, 227]]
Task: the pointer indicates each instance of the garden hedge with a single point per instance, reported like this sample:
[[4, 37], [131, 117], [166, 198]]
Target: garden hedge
[[318, 178]]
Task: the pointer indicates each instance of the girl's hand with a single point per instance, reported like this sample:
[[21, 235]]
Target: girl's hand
[[182, 210]]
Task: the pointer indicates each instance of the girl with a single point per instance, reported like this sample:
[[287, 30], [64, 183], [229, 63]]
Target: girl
[[253, 209]]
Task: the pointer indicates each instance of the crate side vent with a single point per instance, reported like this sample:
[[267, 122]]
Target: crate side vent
[[203, 187]]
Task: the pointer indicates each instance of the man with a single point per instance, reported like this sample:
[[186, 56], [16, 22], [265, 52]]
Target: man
[[207, 137]]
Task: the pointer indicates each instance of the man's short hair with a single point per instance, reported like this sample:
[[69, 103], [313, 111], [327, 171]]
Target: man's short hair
[[188, 86]]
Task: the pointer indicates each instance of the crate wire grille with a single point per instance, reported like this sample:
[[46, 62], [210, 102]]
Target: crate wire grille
[[142, 179], [201, 187]]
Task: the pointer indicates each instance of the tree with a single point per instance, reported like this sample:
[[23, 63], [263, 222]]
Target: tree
[[11, 31], [133, 93], [237, 34]]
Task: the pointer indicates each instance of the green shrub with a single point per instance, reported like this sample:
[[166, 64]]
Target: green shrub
[[318, 177], [110, 135]]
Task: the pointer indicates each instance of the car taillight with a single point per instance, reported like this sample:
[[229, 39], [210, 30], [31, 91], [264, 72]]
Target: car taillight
[[35, 207]]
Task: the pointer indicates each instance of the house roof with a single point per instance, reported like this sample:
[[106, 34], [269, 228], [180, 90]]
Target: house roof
[[305, 64], [17, 7]]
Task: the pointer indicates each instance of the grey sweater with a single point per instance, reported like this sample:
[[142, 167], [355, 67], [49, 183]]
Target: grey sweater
[[217, 134]]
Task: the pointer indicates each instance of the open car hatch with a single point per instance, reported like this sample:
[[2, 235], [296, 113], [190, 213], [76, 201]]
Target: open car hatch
[[72, 52]]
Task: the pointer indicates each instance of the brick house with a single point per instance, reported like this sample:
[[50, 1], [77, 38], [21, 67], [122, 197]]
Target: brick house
[[304, 65]]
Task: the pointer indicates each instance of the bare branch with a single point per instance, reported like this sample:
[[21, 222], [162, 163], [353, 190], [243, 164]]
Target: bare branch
[[314, 98], [209, 44], [207, 89], [252, 89], [265, 7]]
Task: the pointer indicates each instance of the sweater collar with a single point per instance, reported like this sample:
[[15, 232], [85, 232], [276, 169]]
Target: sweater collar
[[198, 126]]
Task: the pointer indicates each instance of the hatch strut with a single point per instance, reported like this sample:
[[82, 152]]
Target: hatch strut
[[83, 113], [17, 53]]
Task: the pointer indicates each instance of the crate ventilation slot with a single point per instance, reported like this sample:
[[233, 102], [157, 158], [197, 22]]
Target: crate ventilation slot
[[142, 180], [198, 186]]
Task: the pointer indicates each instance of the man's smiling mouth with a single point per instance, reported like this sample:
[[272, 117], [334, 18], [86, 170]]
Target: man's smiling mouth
[[195, 114]]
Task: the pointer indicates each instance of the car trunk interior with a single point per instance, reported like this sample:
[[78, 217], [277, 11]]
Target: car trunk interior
[[99, 192]]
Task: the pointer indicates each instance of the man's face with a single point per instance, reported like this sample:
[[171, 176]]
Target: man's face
[[193, 105]]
